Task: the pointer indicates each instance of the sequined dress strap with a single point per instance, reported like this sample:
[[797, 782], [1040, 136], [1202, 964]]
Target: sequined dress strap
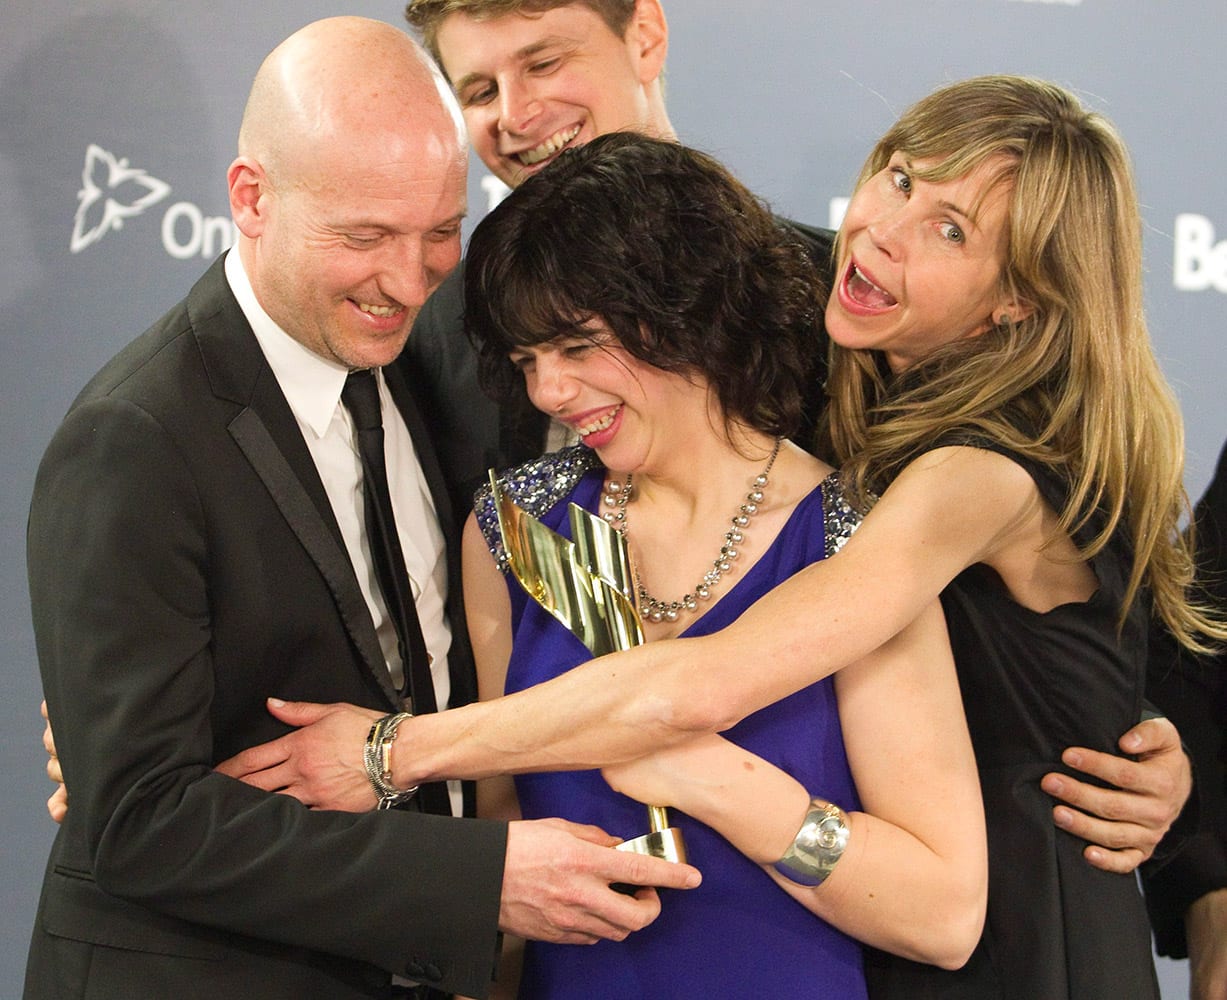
[[535, 487], [840, 518]]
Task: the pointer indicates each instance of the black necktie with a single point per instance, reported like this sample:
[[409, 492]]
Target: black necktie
[[361, 398]]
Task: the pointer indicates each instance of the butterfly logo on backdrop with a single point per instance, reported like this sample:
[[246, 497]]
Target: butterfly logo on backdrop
[[111, 192]]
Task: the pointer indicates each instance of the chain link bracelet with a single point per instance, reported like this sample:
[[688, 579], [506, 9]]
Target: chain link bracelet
[[377, 758]]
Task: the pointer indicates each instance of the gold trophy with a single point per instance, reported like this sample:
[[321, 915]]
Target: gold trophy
[[587, 584]]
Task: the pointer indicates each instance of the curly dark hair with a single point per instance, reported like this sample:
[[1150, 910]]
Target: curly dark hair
[[689, 270]]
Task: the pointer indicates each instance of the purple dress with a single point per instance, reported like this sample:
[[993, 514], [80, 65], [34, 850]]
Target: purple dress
[[738, 934]]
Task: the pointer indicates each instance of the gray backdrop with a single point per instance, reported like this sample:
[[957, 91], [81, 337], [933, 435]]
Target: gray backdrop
[[117, 122]]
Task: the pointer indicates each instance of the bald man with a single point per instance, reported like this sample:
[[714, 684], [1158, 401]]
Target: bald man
[[197, 541]]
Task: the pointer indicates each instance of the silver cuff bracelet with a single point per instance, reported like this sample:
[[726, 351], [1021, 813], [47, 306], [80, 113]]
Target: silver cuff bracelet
[[818, 845]]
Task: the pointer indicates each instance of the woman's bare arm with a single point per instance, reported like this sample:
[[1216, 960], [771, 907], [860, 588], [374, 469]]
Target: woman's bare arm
[[615, 708], [913, 879]]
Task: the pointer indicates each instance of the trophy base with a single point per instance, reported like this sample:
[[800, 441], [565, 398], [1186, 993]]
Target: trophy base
[[666, 844]]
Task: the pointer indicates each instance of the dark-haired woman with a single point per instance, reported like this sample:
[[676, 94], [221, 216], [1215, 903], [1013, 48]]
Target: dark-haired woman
[[652, 304]]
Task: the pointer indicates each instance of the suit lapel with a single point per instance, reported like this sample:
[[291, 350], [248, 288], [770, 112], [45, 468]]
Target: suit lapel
[[286, 489], [268, 435]]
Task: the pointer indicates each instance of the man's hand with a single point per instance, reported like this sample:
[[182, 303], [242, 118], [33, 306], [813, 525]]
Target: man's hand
[[319, 764], [556, 884], [57, 805], [1205, 927], [1124, 823]]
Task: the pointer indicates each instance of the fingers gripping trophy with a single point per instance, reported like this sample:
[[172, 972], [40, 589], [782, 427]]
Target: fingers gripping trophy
[[588, 585]]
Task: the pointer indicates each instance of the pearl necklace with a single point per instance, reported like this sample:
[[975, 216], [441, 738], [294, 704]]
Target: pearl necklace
[[617, 495]]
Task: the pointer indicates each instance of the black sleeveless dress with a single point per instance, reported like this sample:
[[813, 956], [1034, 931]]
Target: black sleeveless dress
[[1034, 684]]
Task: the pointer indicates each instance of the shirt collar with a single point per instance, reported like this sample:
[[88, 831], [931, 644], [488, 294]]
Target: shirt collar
[[311, 384]]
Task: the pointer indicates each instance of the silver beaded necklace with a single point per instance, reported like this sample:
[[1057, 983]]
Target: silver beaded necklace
[[617, 495]]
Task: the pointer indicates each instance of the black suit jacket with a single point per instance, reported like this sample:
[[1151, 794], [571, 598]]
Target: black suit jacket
[[1192, 691], [473, 433], [184, 565]]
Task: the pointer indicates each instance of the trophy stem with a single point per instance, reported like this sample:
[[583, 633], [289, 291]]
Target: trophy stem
[[658, 819]]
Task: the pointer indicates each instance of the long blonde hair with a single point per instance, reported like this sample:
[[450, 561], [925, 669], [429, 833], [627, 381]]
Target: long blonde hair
[[1075, 384]]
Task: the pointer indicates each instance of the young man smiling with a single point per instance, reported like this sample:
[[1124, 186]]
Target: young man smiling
[[536, 77]]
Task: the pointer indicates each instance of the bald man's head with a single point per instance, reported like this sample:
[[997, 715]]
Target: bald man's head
[[340, 78], [349, 187]]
